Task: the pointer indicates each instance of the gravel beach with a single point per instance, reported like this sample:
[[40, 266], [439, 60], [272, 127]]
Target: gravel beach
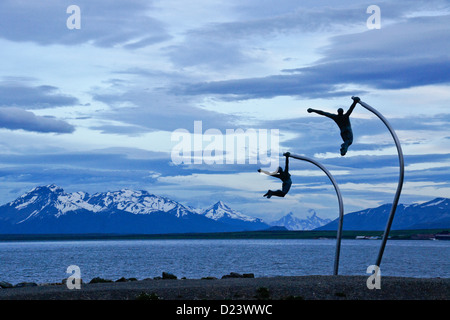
[[273, 288]]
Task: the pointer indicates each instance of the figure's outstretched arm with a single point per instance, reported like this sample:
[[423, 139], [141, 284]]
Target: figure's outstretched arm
[[350, 110], [323, 113], [268, 173]]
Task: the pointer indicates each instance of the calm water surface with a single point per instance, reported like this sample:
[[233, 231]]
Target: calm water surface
[[47, 261]]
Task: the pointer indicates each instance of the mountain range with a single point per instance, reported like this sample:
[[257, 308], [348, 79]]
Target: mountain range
[[434, 214], [50, 210], [291, 222]]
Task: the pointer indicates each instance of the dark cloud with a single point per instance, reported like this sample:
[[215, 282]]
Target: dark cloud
[[22, 94], [389, 58], [326, 80], [225, 45], [106, 159], [104, 23], [418, 37], [121, 130], [16, 118], [304, 85]]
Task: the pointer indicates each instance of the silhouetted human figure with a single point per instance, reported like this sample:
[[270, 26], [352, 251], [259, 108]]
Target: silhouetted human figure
[[283, 176], [343, 121]]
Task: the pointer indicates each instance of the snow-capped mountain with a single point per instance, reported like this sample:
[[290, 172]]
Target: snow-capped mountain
[[291, 222], [48, 209], [136, 202], [222, 213], [53, 198], [434, 214], [40, 201]]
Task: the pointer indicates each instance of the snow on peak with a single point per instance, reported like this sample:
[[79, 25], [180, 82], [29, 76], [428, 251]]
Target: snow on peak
[[221, 205], [435, 202], [137, 202], [222, 211], [51, 197], [313, 213], [41, 195], [54, 188], [50, 187], [26, 203], [291, 222]]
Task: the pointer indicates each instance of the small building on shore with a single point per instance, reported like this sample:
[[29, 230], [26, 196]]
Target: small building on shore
[[367, 237]]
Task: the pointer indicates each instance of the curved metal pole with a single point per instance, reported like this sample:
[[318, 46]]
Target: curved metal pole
[[341, 207], [400, 181]]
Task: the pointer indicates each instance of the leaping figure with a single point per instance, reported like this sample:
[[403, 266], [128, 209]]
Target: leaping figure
[[343, 121], [284, 176]]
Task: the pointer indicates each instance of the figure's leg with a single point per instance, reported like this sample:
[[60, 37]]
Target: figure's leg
[[268, 194], [344, 148], [278, 193], [348, 140], [286, 186]]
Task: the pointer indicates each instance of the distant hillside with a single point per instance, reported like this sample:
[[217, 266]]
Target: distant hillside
[[434, 214]]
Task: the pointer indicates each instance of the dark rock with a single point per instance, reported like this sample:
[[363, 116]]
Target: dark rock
[[209, 278], [100, 280], [233, 275], [248, 275], [168, 276], [25, 284], [123, 279], [50, 284]]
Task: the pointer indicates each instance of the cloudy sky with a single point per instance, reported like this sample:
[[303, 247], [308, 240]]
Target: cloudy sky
[[95, 108]]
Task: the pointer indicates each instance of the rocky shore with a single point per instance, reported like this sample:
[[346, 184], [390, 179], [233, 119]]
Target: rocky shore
[[235, 286]]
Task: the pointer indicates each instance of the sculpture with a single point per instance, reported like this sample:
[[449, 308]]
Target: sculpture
[[283, 175], [343, 121]]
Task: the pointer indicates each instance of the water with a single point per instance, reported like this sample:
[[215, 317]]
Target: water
[[47, 261]]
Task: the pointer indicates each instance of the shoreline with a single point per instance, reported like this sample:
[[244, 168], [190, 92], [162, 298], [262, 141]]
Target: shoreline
[[248, 288], [416, 234]]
